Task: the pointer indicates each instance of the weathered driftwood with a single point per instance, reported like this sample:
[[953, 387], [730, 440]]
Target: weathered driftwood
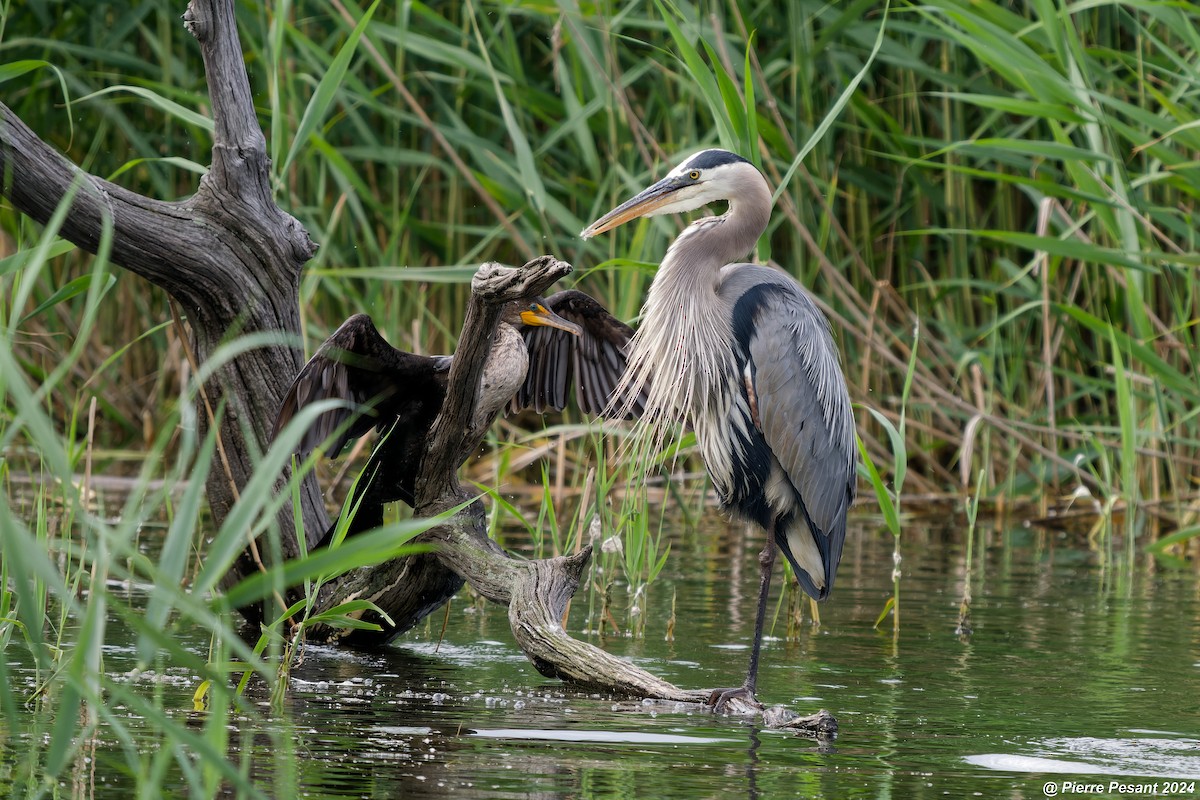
[[232, 259]]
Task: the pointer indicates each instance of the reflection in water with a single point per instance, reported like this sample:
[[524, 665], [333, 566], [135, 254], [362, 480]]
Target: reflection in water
[[1061, 660], [606, 737], [1136, 757], [752, 765]]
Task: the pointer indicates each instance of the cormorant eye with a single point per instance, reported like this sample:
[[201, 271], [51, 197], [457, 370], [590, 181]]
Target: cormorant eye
[[694, 174]]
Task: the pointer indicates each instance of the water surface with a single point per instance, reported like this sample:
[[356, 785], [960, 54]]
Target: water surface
[[1071, 672]]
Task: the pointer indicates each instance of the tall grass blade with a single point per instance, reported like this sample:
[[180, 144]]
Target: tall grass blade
[[327, 90]]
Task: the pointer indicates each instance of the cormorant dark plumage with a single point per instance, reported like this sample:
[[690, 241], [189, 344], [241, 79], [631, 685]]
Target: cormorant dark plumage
[[594, 361], [568, 338]]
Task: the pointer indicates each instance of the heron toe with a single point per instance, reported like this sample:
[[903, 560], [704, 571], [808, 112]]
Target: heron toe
[[739, 701]]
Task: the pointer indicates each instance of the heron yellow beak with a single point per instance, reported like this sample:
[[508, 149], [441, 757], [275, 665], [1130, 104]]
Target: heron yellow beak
[[644, 204], [537, 315]]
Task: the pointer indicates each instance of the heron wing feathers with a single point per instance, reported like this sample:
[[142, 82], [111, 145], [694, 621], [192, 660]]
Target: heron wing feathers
[[805, 417], [804, 406]]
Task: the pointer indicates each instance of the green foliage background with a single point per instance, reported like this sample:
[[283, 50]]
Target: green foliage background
[[1016, 181], [1021, 184]]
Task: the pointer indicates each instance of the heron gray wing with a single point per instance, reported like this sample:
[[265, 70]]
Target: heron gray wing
[[593, 361], [358, 366], [803, 407], [797, 399]]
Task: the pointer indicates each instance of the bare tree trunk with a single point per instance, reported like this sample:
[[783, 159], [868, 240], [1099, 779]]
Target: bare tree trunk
[[232, 259], [228, 255]]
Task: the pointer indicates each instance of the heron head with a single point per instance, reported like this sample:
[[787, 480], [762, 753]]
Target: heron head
[[703, 178], [536, 313]]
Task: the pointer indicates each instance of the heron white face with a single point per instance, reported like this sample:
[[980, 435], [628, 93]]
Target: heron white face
[[703, 178]]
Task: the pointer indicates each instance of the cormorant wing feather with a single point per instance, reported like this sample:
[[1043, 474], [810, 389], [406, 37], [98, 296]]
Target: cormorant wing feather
[[358, 366], [593, 361]]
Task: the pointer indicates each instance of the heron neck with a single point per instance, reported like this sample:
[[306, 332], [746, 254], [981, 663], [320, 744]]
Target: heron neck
[[681, 351], [708, 244], [685, 331]]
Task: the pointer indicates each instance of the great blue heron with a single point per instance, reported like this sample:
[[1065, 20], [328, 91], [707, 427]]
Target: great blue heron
[[568, 338], [742, 353]]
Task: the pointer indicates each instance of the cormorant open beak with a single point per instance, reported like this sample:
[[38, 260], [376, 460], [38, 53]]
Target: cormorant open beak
[[538, 315], [646, 203]]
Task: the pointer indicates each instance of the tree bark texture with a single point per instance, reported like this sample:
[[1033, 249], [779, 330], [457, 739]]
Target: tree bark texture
[[232, 259], [228, 255]]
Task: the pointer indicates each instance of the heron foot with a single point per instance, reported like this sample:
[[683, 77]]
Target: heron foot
[[739, 700]]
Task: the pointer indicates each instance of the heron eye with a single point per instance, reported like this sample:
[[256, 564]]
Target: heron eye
[[694, 174]]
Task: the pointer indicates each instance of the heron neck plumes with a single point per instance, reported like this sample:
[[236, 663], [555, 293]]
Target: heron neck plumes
[[681, 348]]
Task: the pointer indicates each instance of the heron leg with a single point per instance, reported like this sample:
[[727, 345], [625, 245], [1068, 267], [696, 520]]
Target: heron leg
[[766, 560], [719, 698]]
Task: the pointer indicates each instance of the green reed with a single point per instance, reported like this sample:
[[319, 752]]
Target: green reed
[[1020, 180], [889, 498], [64, 552]]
